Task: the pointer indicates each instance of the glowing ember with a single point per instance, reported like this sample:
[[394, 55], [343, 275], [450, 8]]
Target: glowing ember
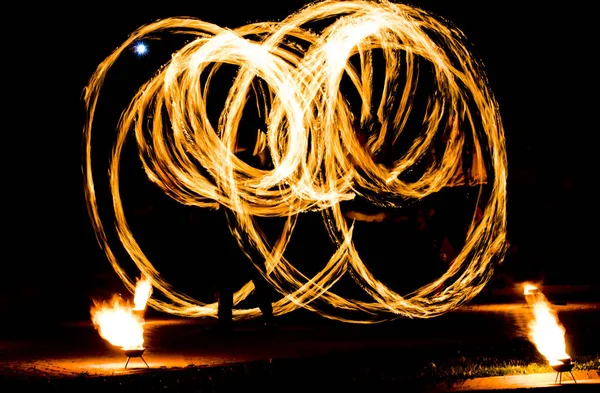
[[546, 332], [117, 322]]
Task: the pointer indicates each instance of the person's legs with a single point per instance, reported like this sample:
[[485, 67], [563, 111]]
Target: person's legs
[[262, 292], [225, 308]]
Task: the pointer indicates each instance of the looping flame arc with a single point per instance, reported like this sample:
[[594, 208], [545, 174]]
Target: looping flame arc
[[318, 161]]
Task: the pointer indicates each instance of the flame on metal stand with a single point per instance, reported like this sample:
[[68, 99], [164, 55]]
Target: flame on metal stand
[[121, 323], [545, 330]]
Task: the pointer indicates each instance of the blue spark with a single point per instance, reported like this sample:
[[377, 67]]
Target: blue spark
[[140, 48]]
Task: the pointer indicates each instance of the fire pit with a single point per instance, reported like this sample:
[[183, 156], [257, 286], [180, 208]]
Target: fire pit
[[134, 353], [566, 365], [121, 323], [546, 332]]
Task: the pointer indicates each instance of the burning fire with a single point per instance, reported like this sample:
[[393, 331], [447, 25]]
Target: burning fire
[[530, 289], [545, 331], [117, 320], [143, 290]]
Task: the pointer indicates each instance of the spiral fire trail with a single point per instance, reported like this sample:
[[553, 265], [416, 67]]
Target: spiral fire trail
[[317, 159]]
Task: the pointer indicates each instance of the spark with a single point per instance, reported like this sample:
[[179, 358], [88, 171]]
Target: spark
[[140, 48], [317, 160]]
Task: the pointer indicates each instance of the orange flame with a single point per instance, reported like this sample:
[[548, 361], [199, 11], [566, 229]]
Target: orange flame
[[116, 320], [545, 331], [143, 291], [529, 289]]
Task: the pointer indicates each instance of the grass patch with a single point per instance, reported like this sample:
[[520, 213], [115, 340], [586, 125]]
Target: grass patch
[[517, 357], [588, 363], [468, 369]]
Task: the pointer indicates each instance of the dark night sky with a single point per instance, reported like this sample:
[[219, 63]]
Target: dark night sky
[[535, 58]]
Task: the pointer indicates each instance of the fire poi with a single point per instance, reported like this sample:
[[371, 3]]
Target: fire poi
[[121, 323], [547, 333]]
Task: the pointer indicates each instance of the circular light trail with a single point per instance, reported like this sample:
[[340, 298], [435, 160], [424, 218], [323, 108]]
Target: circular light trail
[[318, 161]]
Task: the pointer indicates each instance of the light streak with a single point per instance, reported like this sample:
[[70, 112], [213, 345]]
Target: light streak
[[318, 161]]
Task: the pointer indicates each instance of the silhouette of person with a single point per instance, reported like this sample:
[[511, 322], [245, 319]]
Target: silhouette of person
[[237, 267], [234, 269]]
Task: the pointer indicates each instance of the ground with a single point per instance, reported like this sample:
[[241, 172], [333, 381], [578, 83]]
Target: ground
[[300, 352]]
